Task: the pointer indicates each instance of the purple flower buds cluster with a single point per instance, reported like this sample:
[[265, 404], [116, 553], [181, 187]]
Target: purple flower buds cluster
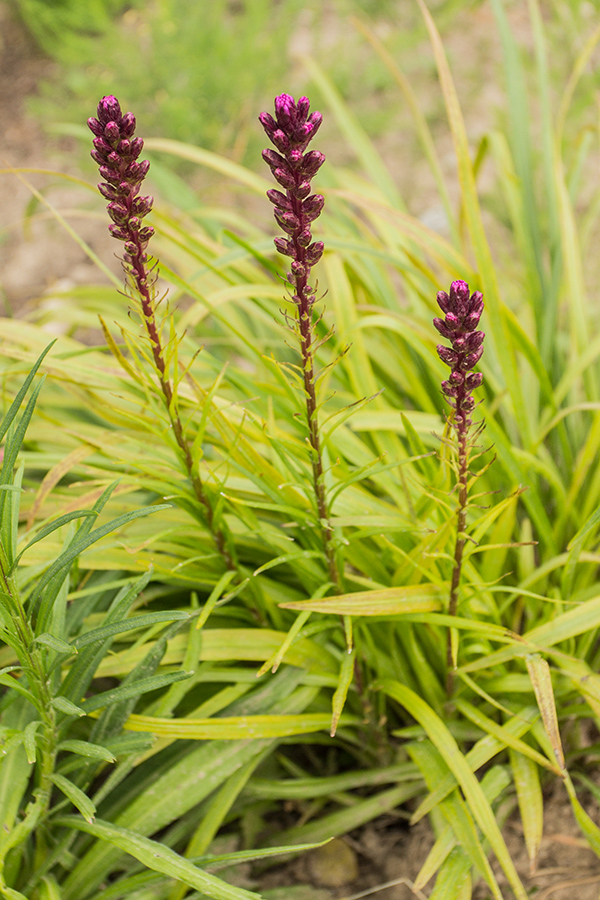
[[291, 131], [116, 151], [462, 313]]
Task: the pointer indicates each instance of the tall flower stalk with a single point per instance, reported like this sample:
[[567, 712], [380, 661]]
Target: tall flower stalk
[[116, 151], [459, 326], [293, 167]]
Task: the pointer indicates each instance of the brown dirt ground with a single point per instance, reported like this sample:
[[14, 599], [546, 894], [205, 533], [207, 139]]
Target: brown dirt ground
[[385, 856]]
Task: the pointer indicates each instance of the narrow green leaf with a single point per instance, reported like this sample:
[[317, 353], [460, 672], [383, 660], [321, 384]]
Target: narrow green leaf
[[454, 878], [54, 643], [65, 706], [385, 601], [456, 762], [134, 689], [29, 740], [143, 621], [84, 748], [585, 822], [539, 672], [341, 692], [531, 803], [16, 404], [79, 800], [160, 858], [54, 525], [78, 545], [234, 728], [487, 724]]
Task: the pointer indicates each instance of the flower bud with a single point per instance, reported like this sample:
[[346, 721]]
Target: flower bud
[[112, 132], [311, 163], [284, 111], [98, 157], [459, 297], [473, 380], [302, 190], [312, 207], [443, 301], [474, 340], [447, 355], [285, 247], [102, 146], [471, 359], [118, 232], [141, 206], [128, 125], [137, 171], [110, 175], [476, 303], [274, 160], [288, 221], [314, 252], [117, 212], [109, 109], [137, 145], [95, 126], [268, 123], [304, 238], [108, 191], [442, 327], [279, 199], [281, 140], [450, 390], [471, 321], [298, 269], [284, 178], [303, 106]]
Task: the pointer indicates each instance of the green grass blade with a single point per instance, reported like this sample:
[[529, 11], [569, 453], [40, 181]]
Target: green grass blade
[[159, 858], [458, 765]]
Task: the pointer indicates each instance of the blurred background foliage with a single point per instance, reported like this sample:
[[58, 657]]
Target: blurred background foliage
[[198, 71]]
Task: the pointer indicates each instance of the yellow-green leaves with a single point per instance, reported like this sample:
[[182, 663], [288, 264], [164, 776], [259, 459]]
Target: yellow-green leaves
[[392, 601]]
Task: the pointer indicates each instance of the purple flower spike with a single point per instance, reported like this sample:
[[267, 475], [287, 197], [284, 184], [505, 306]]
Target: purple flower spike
[[462, 313], [116, 153], [291, 130]]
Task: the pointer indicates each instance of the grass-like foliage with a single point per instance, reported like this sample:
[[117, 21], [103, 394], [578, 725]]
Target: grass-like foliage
[[413, 584]]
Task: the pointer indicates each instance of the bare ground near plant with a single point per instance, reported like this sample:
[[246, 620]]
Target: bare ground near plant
[[36, 258]]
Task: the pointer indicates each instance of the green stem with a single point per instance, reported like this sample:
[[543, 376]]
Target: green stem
[[31, 661]]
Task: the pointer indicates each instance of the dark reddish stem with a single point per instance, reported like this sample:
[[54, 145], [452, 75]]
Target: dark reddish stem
[[116, 152], [291, 131], [463, 311]]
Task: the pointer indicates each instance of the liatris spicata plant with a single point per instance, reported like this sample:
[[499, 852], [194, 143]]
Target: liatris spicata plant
[[293, 168], [116, 151], [462, 313]]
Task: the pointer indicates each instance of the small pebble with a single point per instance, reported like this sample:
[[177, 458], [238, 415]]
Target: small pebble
[[333, 865]]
